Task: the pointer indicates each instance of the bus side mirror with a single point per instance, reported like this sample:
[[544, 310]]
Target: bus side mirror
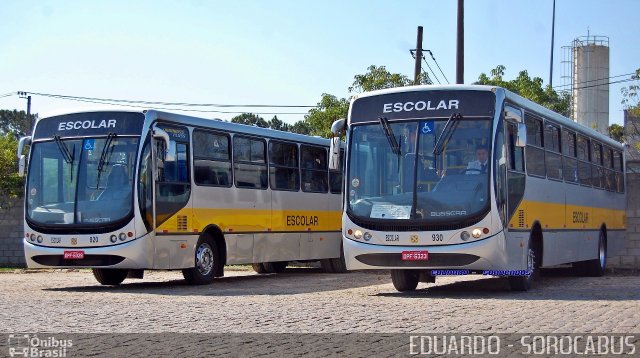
[[338, 127], [521, 140], [334, 154], [22, 163]]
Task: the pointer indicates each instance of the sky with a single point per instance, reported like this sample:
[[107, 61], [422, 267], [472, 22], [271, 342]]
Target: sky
[[282, 52]]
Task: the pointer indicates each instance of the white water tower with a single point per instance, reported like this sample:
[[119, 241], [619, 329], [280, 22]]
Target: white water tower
[[589, 82]]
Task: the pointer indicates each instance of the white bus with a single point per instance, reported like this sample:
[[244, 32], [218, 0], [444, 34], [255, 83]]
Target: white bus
[[499, 186], [123, 192]]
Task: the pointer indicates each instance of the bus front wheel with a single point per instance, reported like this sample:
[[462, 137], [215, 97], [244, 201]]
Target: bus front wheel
[[405, 280], [275, 267], [524, 282], [207, 262], [111, 277]]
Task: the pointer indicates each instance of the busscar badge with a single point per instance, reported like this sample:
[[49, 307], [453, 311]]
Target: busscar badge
[[74, 241], [414, 239]]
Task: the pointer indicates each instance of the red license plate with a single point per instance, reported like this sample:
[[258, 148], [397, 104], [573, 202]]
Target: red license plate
[[74, 255], [415, 255]]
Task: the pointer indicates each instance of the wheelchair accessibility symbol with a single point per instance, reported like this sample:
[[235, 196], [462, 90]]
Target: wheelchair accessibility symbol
[[89, 144], [426, 127]]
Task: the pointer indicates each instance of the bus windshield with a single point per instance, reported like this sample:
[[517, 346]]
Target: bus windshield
[[86, 182], [391, 182]]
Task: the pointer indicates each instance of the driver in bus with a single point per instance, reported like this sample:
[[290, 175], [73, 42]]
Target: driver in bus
[[481, 164]]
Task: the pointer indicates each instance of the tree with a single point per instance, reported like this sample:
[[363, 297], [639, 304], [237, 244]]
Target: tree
[[11, 185], [300, 127], [15, 122], [616, 132], [250, 119], [322, 117], [279, 125], [530, 88], [630, 99], [378, 78]]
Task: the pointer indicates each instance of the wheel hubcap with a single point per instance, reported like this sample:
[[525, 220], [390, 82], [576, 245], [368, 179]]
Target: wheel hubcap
[[601, 254], [204, 259], [530, 262]]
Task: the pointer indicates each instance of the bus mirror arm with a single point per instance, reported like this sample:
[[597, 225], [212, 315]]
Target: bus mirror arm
[[334, 154], [521, 140], [22, 159], [170, 145], [338, 127]]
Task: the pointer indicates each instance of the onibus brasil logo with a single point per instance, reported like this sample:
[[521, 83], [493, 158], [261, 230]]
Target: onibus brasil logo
[[27, 345]]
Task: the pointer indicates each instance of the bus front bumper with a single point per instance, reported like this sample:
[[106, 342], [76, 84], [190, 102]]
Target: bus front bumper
[[136, 254], [485, 254]]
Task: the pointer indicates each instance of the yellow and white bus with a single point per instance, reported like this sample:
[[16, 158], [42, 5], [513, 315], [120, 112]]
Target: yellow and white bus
[[123, 192], [475, 180]]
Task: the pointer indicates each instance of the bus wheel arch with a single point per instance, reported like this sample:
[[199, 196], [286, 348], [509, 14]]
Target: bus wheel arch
[[209, 258]]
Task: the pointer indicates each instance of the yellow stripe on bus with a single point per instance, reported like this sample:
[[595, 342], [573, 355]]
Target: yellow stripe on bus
[[246, 220], [565, 217]]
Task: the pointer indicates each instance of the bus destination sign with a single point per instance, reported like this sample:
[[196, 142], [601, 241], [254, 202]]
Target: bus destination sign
[[90, 124]]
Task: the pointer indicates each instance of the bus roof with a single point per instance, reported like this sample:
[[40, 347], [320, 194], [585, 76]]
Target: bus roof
[[528, 105]]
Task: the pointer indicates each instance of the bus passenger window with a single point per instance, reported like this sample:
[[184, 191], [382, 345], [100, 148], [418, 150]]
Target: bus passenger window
[[314, 169], [534, 150], [249, 163], [211, 159], [283, 171]]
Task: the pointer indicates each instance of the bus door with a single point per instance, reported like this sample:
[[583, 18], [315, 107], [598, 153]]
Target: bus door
[[173, 212]]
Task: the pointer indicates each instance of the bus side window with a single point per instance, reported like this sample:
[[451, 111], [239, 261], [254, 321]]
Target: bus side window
[[336, 178], [283, 171], [211, 159], [313, 164], [516, 154], [535, 146]]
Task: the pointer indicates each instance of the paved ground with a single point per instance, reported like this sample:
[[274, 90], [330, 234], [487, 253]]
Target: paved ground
[[307, 300]]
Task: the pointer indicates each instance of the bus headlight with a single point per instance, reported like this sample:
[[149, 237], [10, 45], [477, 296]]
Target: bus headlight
[[40, 239], [476, 233], [113, 238], [357, 234], [123, 236], [367, 236], [33, 237], [464, 236]]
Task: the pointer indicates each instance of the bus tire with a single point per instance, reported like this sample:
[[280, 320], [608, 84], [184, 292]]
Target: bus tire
[[275, 267], [338, 263], [207, 262], [259, 268], [405, 280], [111, 277], [596, 267], [327, 265], [524, 282]]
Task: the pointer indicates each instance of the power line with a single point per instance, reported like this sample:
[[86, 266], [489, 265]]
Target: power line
[[436, 62], [167, 108], [604, 84], [433, 73], [186, 104], [8, 94], [599, 79]]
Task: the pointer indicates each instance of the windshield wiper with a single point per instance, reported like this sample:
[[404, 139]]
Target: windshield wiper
[[447, 132], [66, 155], [104, 156], [393, 143]]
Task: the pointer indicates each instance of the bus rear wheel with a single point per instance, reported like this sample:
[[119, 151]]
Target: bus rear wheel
[[405, 280], [259, 268], [207, 262], [597, 266], [111, 277], [275, 267]]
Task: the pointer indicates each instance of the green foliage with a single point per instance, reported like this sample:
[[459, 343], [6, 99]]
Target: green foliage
[[616, 132], [250, 119], [530, 88], [11, 185], [630, 99], [328, 110], [278, 125], [15, 122], [378, 78]]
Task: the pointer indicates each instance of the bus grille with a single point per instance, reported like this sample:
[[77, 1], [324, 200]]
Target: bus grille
[[182, 223], [402, 225]]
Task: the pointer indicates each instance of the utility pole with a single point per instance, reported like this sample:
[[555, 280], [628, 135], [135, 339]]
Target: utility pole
[[29, 122], [418, 67], [553, 27], [460, 44]]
